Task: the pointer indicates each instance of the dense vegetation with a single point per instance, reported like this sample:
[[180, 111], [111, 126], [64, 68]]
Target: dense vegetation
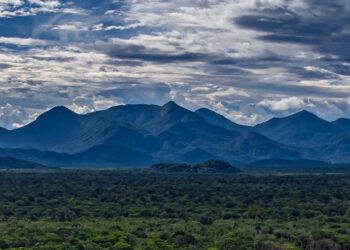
[[207, 167], [120, 210]]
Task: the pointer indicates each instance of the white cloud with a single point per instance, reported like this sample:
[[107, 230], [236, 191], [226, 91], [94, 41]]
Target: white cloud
[[285, 104], [77, 26], [50, 4], [6, 3], [97, 27], [102, 104], [80, 109], [23, 41], [12, 116], [12, 8]]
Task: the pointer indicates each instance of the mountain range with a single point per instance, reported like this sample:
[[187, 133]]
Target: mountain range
[[140, 135]]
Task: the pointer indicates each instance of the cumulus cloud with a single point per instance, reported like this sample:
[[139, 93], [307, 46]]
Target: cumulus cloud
[[80, 109], [13, 8], [285, 104], [14, 116], [51, 4], [6, 3]]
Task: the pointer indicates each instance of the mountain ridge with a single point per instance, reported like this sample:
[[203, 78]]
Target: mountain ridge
[[297, 129], [220, 120], [12, 163], [151, 133]]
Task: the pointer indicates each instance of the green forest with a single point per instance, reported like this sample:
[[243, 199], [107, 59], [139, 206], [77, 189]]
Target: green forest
[[137, 210]]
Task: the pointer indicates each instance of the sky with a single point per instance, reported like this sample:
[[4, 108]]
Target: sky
[[249, 60]]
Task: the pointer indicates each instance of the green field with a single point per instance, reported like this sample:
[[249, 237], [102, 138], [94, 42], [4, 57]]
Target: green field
[[126, 210]]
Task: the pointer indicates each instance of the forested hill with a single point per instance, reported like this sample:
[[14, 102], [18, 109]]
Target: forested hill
[[207, 167]]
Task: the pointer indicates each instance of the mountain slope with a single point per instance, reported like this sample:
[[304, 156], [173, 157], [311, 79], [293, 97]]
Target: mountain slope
[[34, 155], [343, 124], [219, 120], [99, 156], [12, 163], [182, 138], [3, 130], [195, 155], [3, 134], [111, 156], [152, 118], [255, 146], [336, 148]]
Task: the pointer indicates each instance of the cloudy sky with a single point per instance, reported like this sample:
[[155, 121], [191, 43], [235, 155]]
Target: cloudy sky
[[247, 59]]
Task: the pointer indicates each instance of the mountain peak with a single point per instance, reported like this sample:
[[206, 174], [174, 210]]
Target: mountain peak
[[298, 129], [304, 113], [170, 104], [305, 117], [61, 109], [55, 116], [57, 111]]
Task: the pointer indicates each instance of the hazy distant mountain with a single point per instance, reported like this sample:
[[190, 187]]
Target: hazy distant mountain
[[110, 156], [302, 129], [220, 120], [261, 147], [335, 148], [12, 163], [138, 135], [98, 156], [34, 155]]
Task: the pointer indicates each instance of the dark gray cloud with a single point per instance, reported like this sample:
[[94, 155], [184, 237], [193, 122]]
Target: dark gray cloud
[[5, 66], [302, 27], [57, 59], [34, 83], [305, 74], [130, 63], [158, 93], [21, 90], [140, 52], [322, 24]]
